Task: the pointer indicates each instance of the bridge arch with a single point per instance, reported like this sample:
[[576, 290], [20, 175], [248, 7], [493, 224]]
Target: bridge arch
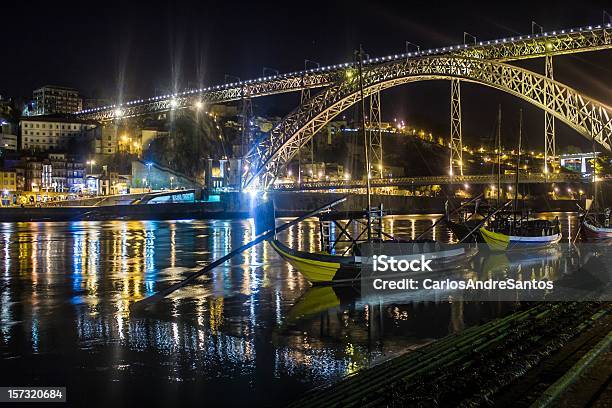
[[588, 117]]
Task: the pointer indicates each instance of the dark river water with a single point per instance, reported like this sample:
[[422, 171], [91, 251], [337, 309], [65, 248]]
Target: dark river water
[[253, 332]]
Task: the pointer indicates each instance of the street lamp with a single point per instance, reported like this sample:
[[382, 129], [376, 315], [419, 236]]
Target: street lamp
[[171, 180]]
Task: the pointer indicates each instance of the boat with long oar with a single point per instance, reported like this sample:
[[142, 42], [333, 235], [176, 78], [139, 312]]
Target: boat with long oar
[[325, 267], [515, 230]]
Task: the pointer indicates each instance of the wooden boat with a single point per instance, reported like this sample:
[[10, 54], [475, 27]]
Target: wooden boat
[[326, 267], [515, 230], [320, 267], [506, 234], [596, 227], [590, 232], [323, 268]]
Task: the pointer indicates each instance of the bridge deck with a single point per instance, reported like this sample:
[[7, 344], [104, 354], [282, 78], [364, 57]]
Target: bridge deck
[[433, 180]]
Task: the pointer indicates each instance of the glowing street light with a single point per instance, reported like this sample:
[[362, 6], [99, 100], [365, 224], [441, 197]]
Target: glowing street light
[[171, 181], [118, 112], [199, 105]]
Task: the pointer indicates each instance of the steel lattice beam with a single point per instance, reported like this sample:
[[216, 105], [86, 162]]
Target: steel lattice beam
[[588, 117], [549, 123], [375, 136], [456, 142], [433, 180], [508, 49]]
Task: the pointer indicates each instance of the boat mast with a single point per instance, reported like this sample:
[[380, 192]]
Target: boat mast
[[595, 189], [366, 145], [499, 118], [518, 164]]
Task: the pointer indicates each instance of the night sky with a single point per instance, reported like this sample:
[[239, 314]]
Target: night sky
[[116, 50]]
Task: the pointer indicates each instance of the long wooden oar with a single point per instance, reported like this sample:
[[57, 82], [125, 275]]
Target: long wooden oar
[[144, 303], [432, 226], [483, 221]]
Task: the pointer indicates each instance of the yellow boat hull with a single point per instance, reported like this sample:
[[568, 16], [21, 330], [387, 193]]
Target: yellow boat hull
[[317, 269], [501, 242]]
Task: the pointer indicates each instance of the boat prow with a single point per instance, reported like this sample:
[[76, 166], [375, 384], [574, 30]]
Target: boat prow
[[320, 268]]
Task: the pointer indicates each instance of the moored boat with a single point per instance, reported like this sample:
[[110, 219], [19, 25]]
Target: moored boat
[[592, 231], [323, 268], [505, 235]]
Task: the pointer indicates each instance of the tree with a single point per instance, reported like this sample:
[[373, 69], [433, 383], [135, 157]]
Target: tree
[[193, 137]]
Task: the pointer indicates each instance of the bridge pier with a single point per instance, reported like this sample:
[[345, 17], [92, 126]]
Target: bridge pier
[[456, 142], [375, 139], [549, 120]]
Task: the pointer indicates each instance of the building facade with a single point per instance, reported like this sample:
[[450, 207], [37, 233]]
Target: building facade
[[44, 133], [56, 99], [55, 173], [578, 162], [8, 181], [106, 143], [8, 141], [8, 136]]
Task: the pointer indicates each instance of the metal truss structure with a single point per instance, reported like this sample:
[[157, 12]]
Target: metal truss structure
[[432, 180], [375, 136], [549, 123], [304, 96], [567, 41], [588, 117], [247, 116], [456, 143]]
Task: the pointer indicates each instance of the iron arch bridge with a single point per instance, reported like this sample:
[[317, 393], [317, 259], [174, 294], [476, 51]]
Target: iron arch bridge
[[520, 47], [269, 156]]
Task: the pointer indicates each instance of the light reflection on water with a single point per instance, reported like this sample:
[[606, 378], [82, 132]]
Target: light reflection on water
[[246, 331]]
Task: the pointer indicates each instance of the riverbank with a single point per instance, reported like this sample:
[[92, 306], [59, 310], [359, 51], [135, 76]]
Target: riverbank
[[239, 205], [513, 361]]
